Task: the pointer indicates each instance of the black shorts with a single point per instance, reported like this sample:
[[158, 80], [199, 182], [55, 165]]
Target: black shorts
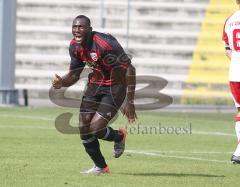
[[105, 100]]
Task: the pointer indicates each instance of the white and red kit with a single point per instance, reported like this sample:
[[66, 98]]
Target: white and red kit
[[231, 37]]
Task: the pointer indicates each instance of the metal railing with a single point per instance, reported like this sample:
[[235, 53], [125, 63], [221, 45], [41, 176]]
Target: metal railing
[[128, 19]]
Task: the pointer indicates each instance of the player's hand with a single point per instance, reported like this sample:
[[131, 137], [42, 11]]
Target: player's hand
[[128, 109], [57, 82]]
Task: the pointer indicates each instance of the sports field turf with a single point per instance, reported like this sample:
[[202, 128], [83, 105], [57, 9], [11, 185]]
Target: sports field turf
[[34, 153]]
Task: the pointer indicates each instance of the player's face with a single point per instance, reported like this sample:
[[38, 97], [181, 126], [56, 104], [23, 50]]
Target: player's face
[[81, 30]]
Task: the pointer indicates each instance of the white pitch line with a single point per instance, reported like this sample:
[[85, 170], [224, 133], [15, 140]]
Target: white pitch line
[[213, 133], [190, 152], [173, 156]]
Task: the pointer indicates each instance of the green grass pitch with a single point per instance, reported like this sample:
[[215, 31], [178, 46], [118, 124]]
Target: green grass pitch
[[196, 151]]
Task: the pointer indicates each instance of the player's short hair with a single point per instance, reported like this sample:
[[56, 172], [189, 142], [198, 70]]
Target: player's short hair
[[84, 17]]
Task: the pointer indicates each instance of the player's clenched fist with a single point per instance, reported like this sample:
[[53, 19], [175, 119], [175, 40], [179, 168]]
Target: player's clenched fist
[[57, 82]]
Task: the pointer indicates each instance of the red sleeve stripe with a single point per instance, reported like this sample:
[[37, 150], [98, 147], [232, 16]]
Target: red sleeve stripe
[[224, 36], [102, 42]]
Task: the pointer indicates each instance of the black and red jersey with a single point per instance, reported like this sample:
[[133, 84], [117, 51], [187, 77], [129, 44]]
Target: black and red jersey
[[104, 56]]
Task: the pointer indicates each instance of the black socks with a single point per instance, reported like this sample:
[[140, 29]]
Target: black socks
[[92, 147]]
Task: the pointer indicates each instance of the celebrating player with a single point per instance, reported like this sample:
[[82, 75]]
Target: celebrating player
[[231, 37], [110, 86]]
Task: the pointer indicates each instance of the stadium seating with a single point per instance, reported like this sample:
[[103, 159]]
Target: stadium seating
[[208, 72], [163, 39]]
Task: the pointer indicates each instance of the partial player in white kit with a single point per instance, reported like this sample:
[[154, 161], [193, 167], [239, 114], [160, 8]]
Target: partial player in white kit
[[231, 37]]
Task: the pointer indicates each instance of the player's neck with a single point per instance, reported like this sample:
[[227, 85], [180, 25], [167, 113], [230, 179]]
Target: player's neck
[[87, 42]]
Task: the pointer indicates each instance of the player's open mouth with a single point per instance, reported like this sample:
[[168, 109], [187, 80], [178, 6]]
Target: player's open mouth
[[78, 38]]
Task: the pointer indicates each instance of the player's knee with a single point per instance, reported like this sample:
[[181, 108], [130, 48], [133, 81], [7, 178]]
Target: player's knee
[[84, 122], [85, 118], [98, 123], [84, 130]]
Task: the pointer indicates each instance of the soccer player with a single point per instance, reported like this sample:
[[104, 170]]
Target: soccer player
[[231, 37], [111, 85]]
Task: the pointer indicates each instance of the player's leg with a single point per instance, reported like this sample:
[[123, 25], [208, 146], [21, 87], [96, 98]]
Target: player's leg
[[236, 155], [235, 89], [102, 131], [109, 106], [111, 100], [99, 127], [90, 142], [87, 110]]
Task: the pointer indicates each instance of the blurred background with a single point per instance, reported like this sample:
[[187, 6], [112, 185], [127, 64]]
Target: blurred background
[[178, 40]]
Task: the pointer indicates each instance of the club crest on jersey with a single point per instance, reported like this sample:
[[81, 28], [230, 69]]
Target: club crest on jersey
[[94, 56]]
